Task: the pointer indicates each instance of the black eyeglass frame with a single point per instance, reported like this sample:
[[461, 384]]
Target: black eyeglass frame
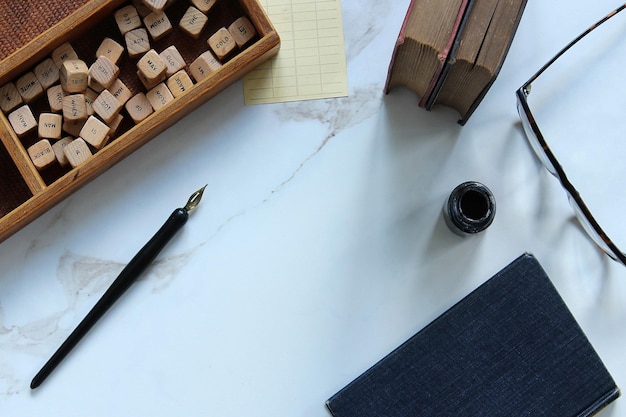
[[526, 115]]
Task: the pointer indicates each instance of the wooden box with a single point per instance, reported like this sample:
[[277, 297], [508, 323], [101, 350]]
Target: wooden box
[[25, 191]]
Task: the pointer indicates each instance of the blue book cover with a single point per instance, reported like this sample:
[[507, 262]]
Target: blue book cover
[[509, 348]]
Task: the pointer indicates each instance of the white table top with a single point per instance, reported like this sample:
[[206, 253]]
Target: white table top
[[318, 247]]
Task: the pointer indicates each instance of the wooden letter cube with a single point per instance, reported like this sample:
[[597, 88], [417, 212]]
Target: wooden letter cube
[[173, 60], [22, 120], [152, 67], [179, 83], [104, 71], [222, 43], [73, 127], [242, 30], [193, 22], [106, 106], [50, 125], [141, 7], [127, 19], [156, 5], [203, 5], [90, 98], [159, 96], [55, 98], [203, 66], [41, 154], [29, 87], [74, 75], [137, 42], [10, 98], [63, 53], [77, 152], [47, 73], [110, 49], [138, 107], [74, 108], [158, 25], [120, 91], [95, 133], [58, 147], [115, 124]]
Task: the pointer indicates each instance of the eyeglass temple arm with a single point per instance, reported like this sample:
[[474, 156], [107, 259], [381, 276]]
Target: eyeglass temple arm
[[572, 43]]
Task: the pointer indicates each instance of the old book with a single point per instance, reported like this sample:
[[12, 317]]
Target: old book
[[463, 68], [428, 32], [509, 348]]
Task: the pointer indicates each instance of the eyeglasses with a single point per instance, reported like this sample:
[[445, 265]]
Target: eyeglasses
[[569, 92]]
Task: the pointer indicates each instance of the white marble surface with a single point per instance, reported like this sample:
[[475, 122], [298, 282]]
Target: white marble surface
[[318, 248]]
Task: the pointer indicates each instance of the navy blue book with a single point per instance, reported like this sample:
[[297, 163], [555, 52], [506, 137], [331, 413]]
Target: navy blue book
[[509, 348]]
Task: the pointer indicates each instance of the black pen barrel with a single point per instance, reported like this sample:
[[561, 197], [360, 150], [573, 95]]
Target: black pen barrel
[[146, 255]]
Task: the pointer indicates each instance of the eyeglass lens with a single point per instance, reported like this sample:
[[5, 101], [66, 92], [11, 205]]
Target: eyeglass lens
[[579, 104]]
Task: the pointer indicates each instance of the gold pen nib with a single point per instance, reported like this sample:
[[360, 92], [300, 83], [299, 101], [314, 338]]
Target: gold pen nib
[[194, 200]]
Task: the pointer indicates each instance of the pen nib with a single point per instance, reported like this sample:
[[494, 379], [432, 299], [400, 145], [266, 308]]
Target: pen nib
[[194, 200]]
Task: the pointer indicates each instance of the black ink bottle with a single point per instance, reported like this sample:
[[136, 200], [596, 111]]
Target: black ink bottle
[[469, 209]]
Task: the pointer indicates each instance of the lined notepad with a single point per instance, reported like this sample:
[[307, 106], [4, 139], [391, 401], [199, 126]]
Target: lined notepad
[[311, 63]]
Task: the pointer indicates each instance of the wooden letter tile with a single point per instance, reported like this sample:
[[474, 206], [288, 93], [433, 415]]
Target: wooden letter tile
[[90, 98], [152, 67], [242, 30], [58, 147], [41, 154], [193, 22], [29, 87], [179, 83], [104, 71], [127, 19], [222, 43], [95, 86], [141, 7], [156, 5], [47, 73], [55, 98], [63, 53], [95, 133], [74, 108], [22, 120], [203, 66], [159, 96], [77, 152], [138, 107], [50, 125], [74, 75], [173, 60], [73, 128], [120, 91], [203, 5], [115, 124], [137, 42], [110, 49], [158, 25], [106, 106], [10, 98]]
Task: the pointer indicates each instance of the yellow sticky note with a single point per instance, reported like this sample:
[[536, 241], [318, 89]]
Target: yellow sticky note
[[311, 63]]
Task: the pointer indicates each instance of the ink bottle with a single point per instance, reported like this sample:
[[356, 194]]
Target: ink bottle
[[469, 209]]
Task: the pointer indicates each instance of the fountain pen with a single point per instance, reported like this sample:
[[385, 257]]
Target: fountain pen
[[129, 274]]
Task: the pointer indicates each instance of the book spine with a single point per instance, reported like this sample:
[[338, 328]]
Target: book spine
[[601, 403]]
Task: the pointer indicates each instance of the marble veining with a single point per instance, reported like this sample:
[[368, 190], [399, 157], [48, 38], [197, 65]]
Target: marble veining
[[365, 25], [83, 279]]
